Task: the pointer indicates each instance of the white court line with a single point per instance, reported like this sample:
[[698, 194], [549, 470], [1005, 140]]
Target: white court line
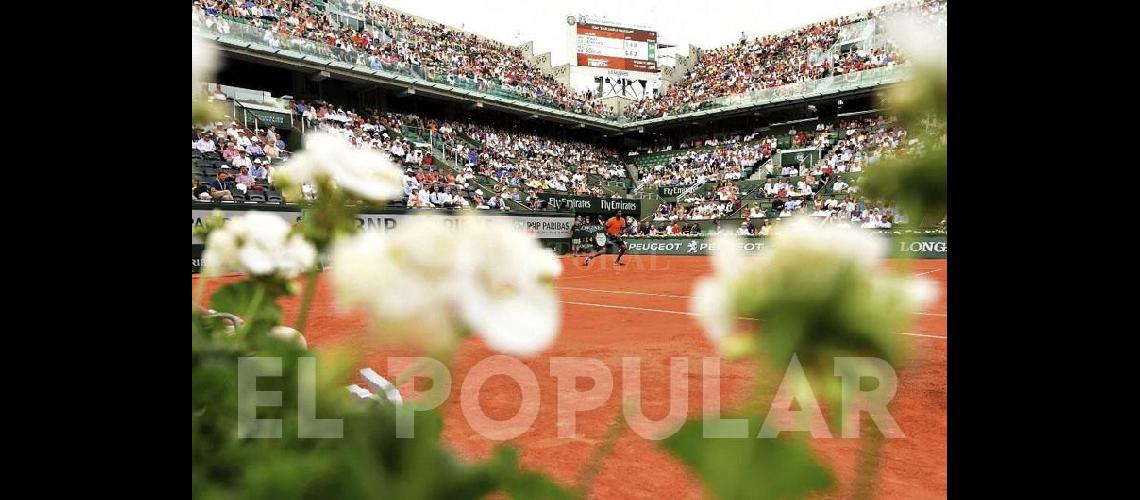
[[623, 292], [673, 296], [610, 306], [666, 311], [928, 272], [923, 335]]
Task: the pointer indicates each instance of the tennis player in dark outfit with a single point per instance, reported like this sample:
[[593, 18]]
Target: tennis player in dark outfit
[[613, 228]]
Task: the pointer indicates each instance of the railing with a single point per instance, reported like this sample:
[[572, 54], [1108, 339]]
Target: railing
[[246, 36], [811, 88], [243, 35], [437, 142], [244, 114]]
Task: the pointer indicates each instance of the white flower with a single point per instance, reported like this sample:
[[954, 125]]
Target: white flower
[[711, 304], [921, 292], [711, 300], [510, 299], [204, 59], [922, 41], [258, 244], [365, 173], [821, 281], [804, 235], [429, 282]]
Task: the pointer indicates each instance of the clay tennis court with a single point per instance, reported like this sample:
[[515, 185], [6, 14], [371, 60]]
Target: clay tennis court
[[641, 310]]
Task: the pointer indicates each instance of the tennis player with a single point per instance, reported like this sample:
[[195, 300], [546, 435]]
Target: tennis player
[[614, 226]]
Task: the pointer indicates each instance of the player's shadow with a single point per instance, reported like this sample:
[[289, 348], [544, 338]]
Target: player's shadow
[[606, 264]]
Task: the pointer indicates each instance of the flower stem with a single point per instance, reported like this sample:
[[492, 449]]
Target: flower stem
[[594, 464], [867, 469], [306, 301], [199, 290], [254, 306], [407, 374]]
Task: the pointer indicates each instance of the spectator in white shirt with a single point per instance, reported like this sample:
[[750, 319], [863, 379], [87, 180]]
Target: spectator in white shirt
[[205, 145], [764, 229], [425, 199], [242, 160], [436, 196], [771, 188], [496, 202]]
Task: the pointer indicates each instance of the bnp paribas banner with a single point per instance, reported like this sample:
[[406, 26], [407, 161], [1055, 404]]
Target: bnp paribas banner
[[585, 205], [920, 247], [545, 227], [552, 228]]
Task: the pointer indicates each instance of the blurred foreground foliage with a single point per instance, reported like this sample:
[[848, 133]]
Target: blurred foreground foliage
[[367, 462], [748, 468], [916, 179]]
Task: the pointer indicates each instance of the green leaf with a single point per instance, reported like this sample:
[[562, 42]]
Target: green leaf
[[241, 298], [747, 467], [520, 483]]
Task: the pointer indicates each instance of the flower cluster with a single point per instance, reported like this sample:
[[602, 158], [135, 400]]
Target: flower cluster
[[259, 244], [366, 174], [815, 290], [430, 282]]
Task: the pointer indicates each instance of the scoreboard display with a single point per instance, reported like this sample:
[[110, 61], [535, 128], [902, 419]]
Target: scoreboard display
[[612, 47]]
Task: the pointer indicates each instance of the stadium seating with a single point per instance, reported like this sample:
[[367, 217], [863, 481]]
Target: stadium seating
[[807, 53], [386, 39], [846, 148], [505, 162]]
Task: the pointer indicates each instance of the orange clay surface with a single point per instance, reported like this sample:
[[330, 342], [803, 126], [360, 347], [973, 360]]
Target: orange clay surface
[[648, 319]]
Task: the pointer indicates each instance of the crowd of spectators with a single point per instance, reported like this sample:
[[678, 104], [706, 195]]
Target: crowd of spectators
[[520, 165], [395, 41], [775, 60], [391, 40], [717, 203], [240, 160], [726, 160], [542, 163]]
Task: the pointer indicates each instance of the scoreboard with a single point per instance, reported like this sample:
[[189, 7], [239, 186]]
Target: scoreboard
[[613, 47]]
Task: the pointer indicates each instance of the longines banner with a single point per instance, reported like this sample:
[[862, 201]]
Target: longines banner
[[922, 247], [584, 205], [931, 247]]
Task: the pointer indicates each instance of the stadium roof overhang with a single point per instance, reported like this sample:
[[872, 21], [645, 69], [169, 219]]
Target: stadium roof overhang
[[408, 85], [306, 64]]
